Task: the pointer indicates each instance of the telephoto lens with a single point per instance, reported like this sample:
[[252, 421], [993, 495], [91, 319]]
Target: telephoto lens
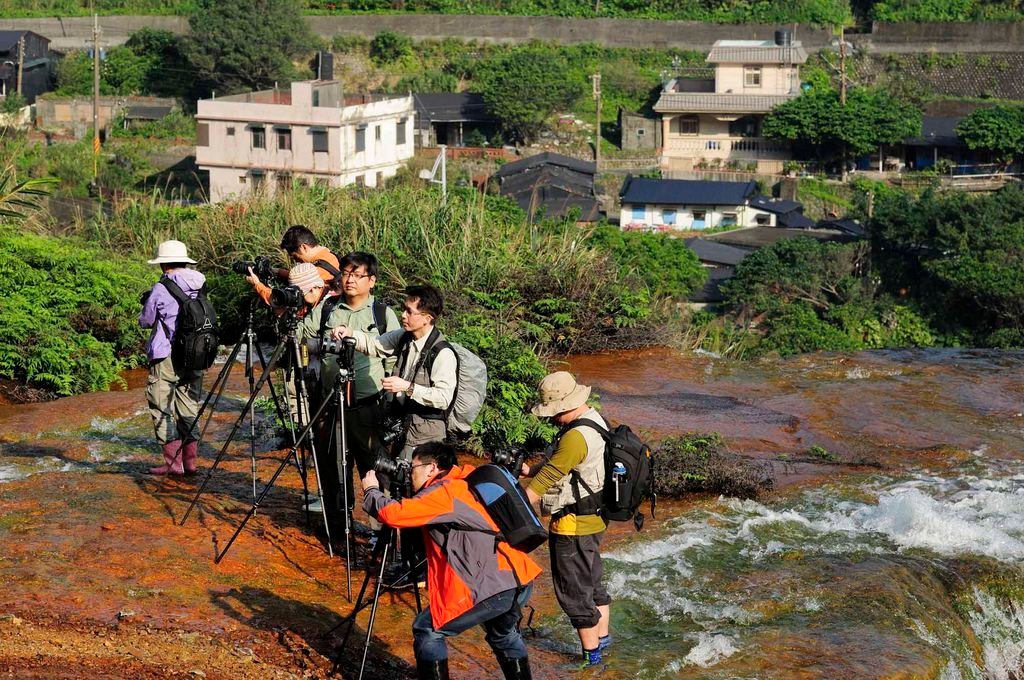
[[344, 349], [288, 296], [396, 469], [512, 458]]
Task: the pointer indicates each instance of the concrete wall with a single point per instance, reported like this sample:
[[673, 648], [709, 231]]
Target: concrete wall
[[654, 217], [74, 114], [979, 36], [638, 132], [775, 79], [75, 32]]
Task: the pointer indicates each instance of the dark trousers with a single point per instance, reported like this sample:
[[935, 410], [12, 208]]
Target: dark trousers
[[499, 615], [576, 573]]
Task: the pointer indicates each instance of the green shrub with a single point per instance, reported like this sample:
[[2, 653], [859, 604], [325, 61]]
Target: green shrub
[[796, 328], [663, 263], [697, 462], [388, 47], [68, 317]]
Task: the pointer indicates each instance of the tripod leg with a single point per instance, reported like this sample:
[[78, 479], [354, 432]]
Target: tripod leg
[[373, 610], [234, 430], [252, 408], [346, 477]]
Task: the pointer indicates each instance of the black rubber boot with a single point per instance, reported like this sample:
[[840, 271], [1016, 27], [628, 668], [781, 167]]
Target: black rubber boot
[[515, 669], [432, 670]]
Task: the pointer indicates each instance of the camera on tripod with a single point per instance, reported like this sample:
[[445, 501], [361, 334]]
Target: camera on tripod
[[289, 297], [344, 350], [511, 458], [397, 469], [261, 267], [391, 429]]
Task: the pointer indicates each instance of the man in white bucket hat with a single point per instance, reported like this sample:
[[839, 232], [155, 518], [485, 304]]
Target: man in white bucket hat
[[568, 486], [172, 392]]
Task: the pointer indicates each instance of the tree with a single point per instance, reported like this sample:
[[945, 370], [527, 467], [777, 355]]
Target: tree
[[168, 73], [123, 72], [999, 129], [388, 47], [818, 124], [525, 87], [238, 45], [74, 74]]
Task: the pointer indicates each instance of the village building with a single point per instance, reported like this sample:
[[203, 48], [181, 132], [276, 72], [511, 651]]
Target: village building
[[29, 53], [310, 133], [689, 205], [453, 119], [551, 185], [716, 122]]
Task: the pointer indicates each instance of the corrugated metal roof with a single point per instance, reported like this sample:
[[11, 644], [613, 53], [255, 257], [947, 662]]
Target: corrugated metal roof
[[451, 107], [776, 205], [642, 191], [759, 54], [716, 253], [546, 158], [143, 112], [724, 103]]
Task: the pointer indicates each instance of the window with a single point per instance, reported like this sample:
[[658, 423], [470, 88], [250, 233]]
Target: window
[[700, 219], [257, 178], [763, 220], [752, 76], [319, 141], [360, 138], [284, 139], [641, 132], [376, 132], [728, 220], [360, 181], [668, 216], [316, 97], [685, 125], [380, 180], [322, 182], [743, 127], [231, 131], [203, 134], [241, 179], [639, 213], [400, 131], [259, 137], [284, 181]]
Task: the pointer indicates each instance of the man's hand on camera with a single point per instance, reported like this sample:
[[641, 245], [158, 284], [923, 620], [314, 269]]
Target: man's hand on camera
[[370, 481], [252, 278], [340, 332], [395, 385]]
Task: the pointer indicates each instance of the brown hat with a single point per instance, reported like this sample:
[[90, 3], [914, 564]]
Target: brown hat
[[559, 392], [305, 276]]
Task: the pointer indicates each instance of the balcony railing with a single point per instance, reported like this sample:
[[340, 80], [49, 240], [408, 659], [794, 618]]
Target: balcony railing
[[728, 148]]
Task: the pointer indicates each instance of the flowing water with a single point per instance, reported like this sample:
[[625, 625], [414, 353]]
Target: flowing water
[[902, 559], [911, 569]]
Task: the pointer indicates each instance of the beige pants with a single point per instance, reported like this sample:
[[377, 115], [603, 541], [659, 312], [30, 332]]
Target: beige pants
[[173, 400]]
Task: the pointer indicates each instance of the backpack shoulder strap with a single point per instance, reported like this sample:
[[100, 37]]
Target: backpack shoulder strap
[[324, 264], [325, 312], [380, 316], [587, 422], [175, 290]]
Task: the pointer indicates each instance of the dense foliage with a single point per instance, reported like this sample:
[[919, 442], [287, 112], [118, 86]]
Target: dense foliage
[[525, 87], [821, 127], [238, 45], [663, 263], [68, 316], [701, 463], [999, 129]]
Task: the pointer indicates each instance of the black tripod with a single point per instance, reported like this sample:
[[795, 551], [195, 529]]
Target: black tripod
[[340, 396], [387, 542], [290, 345]]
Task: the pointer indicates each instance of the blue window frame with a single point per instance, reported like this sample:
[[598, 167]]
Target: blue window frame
[[700, 219], [639, 212], [668, 216]]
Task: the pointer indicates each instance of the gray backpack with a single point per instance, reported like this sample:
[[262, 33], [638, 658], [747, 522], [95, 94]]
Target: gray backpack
[[470, 387]]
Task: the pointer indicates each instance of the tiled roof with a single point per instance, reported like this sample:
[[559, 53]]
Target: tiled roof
[[774, 54], [642, 191], [714, 103], [546, 158]]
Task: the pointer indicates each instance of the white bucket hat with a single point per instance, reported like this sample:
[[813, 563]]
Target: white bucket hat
[[559, 392], [171, 252]]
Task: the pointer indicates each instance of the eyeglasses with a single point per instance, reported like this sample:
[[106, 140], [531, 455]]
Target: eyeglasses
[[413, 467], [349, 274], [412, 312]]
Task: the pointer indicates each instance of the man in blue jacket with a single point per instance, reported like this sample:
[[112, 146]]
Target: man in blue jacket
[[172, 392]]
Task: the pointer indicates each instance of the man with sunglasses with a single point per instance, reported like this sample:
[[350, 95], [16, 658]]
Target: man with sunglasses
[[473, 578], [355, 308]]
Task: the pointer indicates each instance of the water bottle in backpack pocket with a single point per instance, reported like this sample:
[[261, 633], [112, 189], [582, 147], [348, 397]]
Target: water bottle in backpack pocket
[[629, 473]]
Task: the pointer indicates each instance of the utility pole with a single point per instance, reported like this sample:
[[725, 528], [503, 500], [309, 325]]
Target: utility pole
[[21, 63], [842, 65], [596, 79], [95, 95]]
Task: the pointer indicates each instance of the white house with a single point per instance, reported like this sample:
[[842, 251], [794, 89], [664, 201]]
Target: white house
[[308, 133], [717, 122], [689, 205]]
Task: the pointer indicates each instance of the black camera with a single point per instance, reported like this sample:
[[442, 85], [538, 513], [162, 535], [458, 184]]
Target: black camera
[[289, 297], [391, 429], [261, 267], [344, 349], [511, 458], [397, 471]]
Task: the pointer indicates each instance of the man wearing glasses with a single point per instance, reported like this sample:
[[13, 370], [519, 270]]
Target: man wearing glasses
[[355, 307], [302, 246], [426, 373]]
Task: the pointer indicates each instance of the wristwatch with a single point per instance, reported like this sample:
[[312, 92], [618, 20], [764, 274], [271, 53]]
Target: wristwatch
[[409, 389]]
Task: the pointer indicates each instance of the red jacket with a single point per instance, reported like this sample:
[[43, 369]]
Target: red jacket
[[465, 565]]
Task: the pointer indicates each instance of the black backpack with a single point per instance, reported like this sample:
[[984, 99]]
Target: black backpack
[[506, 503], [196, 336], [629, 473]]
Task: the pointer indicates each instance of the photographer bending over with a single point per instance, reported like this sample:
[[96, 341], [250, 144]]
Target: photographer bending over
[[301, 246], [172, 392], [355, 308], [426, 373], [473, 579], [568, 486]]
